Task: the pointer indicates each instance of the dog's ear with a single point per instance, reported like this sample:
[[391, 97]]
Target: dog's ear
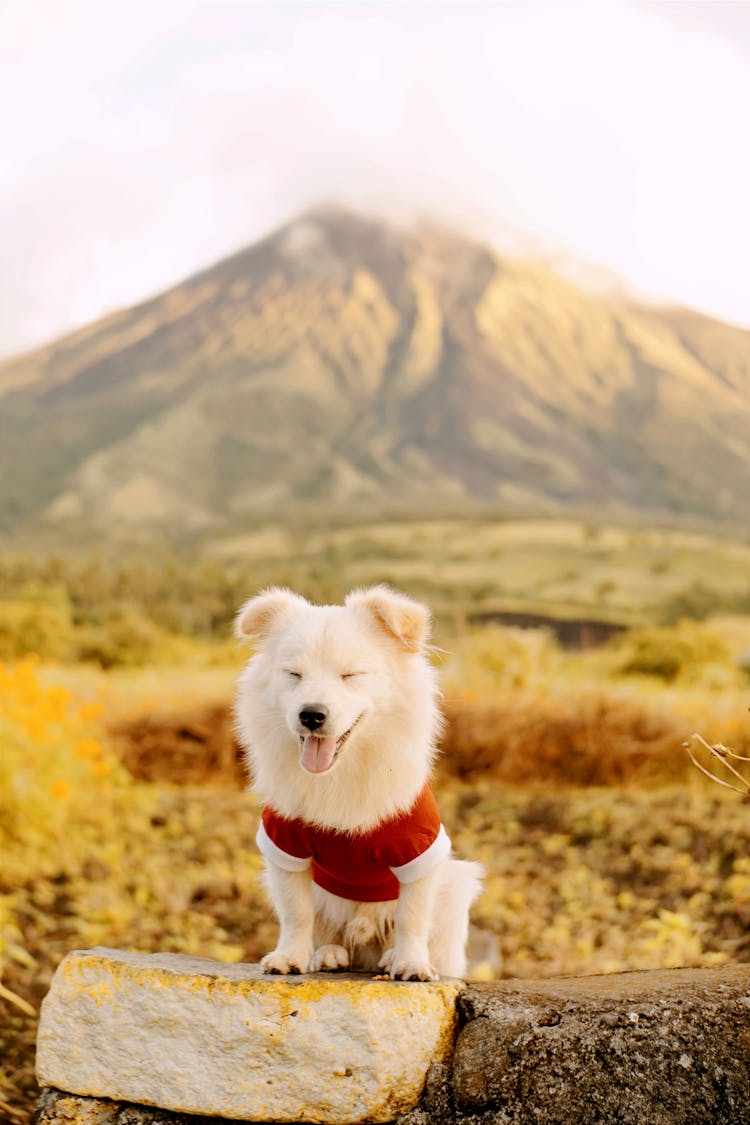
[[406, 620], [258, 615]]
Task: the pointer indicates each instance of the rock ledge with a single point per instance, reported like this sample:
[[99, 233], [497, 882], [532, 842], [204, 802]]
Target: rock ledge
[[182, 1037], [199, 1037]]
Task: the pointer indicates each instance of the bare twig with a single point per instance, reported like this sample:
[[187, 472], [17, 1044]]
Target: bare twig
[[725, 756], [14, 998], [11, 1114]]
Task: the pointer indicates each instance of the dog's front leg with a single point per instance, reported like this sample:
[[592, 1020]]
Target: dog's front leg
[[291, 895], [410, 957]]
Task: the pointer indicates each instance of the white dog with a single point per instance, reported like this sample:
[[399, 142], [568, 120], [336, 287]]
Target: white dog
[[337, 711]]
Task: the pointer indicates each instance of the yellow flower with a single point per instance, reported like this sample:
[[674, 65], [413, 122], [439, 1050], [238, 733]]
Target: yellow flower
[[90, 711], [100, 768], [60, 789], [87, 748], [35, 728], [56, 701]]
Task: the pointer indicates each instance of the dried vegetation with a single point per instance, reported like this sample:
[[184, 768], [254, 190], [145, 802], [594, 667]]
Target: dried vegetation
[[124, 820]]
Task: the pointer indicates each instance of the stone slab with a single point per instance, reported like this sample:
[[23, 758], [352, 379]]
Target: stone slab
[[669, 1047], [196, 1036]]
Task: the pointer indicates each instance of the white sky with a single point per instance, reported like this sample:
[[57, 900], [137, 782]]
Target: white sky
[[141, 141]]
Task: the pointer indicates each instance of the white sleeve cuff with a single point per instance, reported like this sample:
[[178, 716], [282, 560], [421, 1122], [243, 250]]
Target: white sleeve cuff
[[274, 854], [439, 849]]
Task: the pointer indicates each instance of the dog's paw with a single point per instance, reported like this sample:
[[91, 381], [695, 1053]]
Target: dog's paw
[[412, 970], [329, 958], [284, 963], [407, 969]]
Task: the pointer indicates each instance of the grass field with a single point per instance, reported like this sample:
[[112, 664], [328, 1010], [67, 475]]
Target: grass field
[[110, 608], [559, 567], [124, 818]]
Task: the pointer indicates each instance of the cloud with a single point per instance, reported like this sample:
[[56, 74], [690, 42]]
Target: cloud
[[144, 141]]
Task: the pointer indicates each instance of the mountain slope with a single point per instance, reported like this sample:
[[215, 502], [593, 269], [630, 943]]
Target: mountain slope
[[343, 363]]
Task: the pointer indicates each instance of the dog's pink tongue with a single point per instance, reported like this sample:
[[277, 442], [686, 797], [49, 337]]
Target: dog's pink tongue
[[318, 753]]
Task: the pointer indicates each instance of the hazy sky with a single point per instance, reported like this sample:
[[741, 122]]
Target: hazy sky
[[141, 141]]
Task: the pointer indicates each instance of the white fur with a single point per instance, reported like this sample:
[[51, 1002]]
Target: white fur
[[365, 661]]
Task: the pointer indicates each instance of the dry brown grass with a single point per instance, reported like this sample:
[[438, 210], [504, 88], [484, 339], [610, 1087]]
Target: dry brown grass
[[518, 738], [197, 747], [579, 878], [592, 739]]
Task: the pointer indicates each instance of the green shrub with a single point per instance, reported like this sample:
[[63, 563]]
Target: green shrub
[[125, 639], [29, 625], [688, 650], [698, 601], [496, 656]]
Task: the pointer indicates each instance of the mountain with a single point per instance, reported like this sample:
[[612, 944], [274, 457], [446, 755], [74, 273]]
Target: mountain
[[346, 366]]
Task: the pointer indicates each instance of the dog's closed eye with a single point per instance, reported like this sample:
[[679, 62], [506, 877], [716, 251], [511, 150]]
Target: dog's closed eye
[[293, 675], [351, 675]]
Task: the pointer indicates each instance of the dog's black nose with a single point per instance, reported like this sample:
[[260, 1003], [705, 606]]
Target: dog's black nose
[[313, 715]]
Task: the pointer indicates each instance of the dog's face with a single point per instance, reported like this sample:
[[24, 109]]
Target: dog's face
[[326, 672]]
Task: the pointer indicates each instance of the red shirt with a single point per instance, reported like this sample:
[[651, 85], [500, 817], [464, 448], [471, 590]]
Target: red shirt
[[367, 867]]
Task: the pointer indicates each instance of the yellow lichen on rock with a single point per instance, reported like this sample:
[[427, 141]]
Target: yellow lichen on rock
[[197, 1036]]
